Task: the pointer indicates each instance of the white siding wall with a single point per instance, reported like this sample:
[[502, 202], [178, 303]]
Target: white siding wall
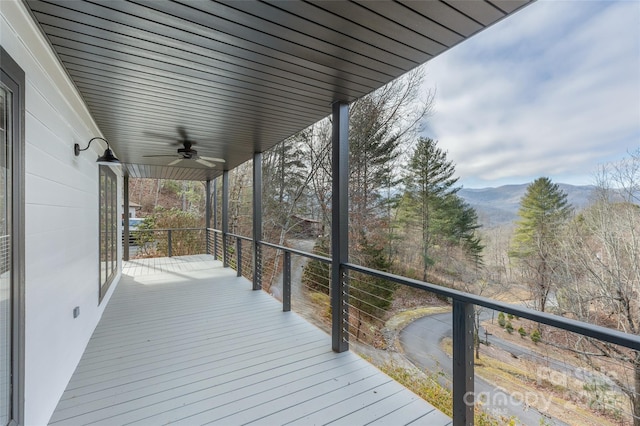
[[61, 220]]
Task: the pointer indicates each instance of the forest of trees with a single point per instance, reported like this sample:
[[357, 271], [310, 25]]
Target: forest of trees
[[406, 217]]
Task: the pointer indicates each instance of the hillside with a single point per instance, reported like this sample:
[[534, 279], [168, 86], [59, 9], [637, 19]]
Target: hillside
[[499, 206]]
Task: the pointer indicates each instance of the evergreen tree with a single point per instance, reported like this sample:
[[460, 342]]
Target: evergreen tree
[[433, 205], [284, 183], [372, 148], [543, 210], [370, 296], [460, 224]]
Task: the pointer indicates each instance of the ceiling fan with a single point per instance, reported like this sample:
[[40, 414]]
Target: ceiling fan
[[187, 152]]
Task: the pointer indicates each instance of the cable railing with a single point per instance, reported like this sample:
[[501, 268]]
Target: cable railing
[[288, 253], [240, 255], [582, 367], [167, 242], [603, 384], [540, 358]]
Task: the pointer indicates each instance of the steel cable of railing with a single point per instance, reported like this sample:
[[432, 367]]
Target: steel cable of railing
[[318, 284], [368, 308], [167, 242]]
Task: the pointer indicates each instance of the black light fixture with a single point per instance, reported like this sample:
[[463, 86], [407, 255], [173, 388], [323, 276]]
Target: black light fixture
[[107, 157]]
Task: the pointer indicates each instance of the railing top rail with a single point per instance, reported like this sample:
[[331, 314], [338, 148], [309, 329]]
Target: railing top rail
[[217, 231], [298, 252], [601, 333], [616, 337], [240, 237], [167, 229]]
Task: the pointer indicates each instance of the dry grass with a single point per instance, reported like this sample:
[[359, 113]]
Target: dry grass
[[564, 399]]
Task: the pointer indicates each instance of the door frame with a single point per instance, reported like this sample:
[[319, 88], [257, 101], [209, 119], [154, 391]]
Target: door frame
[[13, 77]]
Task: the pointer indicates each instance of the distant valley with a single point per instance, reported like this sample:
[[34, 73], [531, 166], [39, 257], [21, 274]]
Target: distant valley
[[499, 206]]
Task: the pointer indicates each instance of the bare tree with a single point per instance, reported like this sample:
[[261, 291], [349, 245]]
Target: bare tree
[[240, 210], [382, 126], [602, 269]]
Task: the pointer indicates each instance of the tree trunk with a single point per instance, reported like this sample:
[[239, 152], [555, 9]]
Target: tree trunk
[[155, 203], [184, 196]]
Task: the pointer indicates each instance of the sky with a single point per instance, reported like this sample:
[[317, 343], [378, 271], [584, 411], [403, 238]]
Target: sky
[[552, 91]]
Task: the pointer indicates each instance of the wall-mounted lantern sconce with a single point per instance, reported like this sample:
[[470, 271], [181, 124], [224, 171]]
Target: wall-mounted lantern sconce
[[107, 157]]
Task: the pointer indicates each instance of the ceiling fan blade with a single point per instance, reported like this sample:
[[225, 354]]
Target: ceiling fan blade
[[160, 155], [176, 161], [182, 132], [215, 160], [206, 163]]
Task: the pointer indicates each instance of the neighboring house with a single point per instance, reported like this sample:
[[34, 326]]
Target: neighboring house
[[305, 227], [61, 212], [133, 208]]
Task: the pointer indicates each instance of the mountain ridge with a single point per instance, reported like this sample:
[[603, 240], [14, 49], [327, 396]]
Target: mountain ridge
[[499, 205]]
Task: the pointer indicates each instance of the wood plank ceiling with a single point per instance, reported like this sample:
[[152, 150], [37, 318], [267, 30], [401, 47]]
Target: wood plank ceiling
[[239, 76]]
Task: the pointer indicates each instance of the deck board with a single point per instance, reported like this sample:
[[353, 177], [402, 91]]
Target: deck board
[[185, 341]]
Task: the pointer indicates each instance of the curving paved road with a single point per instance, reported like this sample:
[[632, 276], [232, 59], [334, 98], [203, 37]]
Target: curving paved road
[[420, 341]]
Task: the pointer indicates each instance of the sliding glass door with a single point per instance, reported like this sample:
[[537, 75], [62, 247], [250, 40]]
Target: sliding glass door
[[12, 82], [6, 282]]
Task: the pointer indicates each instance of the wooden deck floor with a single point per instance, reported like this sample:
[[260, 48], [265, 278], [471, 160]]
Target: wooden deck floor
[[184, 341]]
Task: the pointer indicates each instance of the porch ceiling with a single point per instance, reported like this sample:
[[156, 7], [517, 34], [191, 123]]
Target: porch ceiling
[[240, 76]]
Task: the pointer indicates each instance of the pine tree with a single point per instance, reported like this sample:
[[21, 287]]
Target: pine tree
[[433, 205], [543, 210], [459, 226], [284, 183], [370, 296], [373, 146]]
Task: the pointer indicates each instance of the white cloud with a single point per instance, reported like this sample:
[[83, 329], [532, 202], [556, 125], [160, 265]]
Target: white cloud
[[552, 91]]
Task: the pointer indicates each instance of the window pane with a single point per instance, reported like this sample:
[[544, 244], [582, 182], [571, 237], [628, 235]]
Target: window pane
[[108, 228]]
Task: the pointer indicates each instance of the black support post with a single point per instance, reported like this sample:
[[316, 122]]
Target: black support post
[[463, 374], [215, 218], [125, 222], [207, 216], [225, 217], [340, 227], [257, 220], [239, 257]]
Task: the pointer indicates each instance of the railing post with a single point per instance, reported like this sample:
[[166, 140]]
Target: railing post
[[207, 218], [340, 227], [463, 374], [169, 243], [257, 266], [125, 215], [215, 218], [225, 217], [286, 282], [239, 256], [257, 220]]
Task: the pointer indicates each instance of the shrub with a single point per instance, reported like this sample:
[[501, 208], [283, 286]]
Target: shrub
[[522, 332], [501, 320], [509, 327], [510, 316], [536, 336]]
